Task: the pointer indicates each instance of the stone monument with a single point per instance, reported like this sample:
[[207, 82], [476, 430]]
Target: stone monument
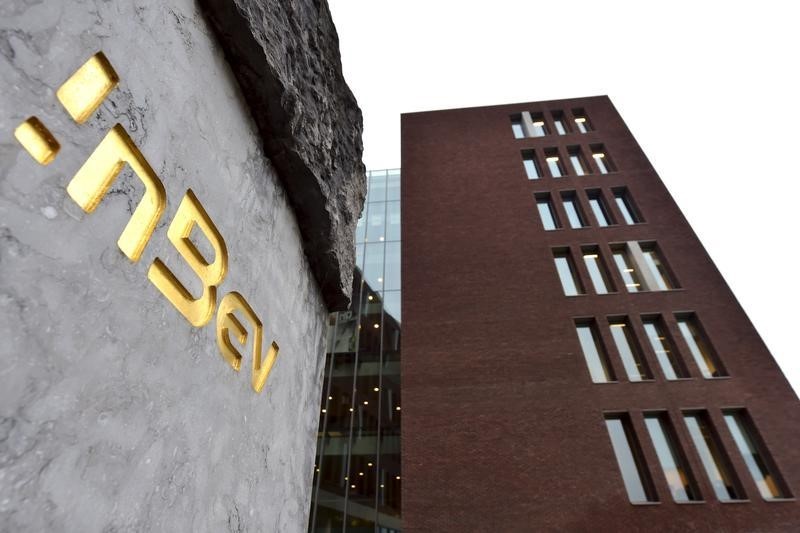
[[179, 186]]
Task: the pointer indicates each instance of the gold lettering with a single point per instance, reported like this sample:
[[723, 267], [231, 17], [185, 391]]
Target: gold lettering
[[86, 89], [227, 321], [94, 178], [200, 310], [37, 140]]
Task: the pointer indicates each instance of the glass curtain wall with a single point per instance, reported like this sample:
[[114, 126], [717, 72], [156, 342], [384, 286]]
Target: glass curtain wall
[[357, 472]]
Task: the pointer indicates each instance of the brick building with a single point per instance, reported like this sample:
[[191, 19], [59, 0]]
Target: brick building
[[572, 358]]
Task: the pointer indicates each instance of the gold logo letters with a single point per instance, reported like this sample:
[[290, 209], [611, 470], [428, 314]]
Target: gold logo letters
[[81, 95], [198, 311]]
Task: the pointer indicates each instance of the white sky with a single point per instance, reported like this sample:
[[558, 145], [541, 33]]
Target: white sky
[[711, 90]]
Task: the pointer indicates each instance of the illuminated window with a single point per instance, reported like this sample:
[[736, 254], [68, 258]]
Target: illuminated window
[[701, 350], [662, 345], [601, 159], [673, 462], [573, 210], [554, 164], [538, 127], [597, 270], [633, 283], [628, 349], [577, 161], [570, 281], [642, 267], [546, 212], [755, 455], [716, 463], [531, 165], [516, 127], [593, 352], [582, 123], [630, 459]]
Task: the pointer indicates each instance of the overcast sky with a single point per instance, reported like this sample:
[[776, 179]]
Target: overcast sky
[[711, 90]]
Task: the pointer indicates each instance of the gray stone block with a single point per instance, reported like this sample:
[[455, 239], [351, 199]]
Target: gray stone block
[[115, 413], [288, 67]]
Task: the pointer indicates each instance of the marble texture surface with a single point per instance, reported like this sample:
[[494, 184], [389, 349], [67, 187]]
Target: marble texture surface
[[115, 413]]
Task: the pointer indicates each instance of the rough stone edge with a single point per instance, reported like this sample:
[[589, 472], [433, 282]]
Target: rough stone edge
[[327, 231]]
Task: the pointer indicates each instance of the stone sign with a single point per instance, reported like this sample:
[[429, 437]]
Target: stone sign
[[171, 241]]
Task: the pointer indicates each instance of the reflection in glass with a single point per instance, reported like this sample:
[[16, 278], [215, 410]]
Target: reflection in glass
[[566, 272], [600, 161], [373, 264], [656, 267], [699, 347], [516, 127], [547, 214], [357, 482], [538, 127], [576, 160], [599, 210], [597, 271], [581, 122], [376, 228], [629, 459], [593, 352], [376, 186], [531, 165], [631, 356], [393, 221], [391, 304], [629, 275], [554, 165], [558, 122], [679, 478], [574, 215], [625, 207], [391, 279], [715, 463], [393, 186], [754, 454], [662, 347]]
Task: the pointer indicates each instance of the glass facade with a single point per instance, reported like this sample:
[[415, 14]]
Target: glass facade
[[357, 472]]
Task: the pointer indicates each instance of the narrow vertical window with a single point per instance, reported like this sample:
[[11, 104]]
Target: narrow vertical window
[[633, 282], [594, 353], [546, 212], [715, 462], [516, 127], [576, 160], [755, 455], [531, 165], [625, 206], [573, 210], [658, 270], [601, 159], [680, 480], [599, 209], [554, 164], [559, 123], [662, 346], [700, 348], [597, 270], [582, 123], [629, 352], [630, 459], [566, 272], [538, 127]]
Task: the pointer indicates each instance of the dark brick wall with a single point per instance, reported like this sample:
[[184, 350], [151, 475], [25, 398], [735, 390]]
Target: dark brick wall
[[503, 429]]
